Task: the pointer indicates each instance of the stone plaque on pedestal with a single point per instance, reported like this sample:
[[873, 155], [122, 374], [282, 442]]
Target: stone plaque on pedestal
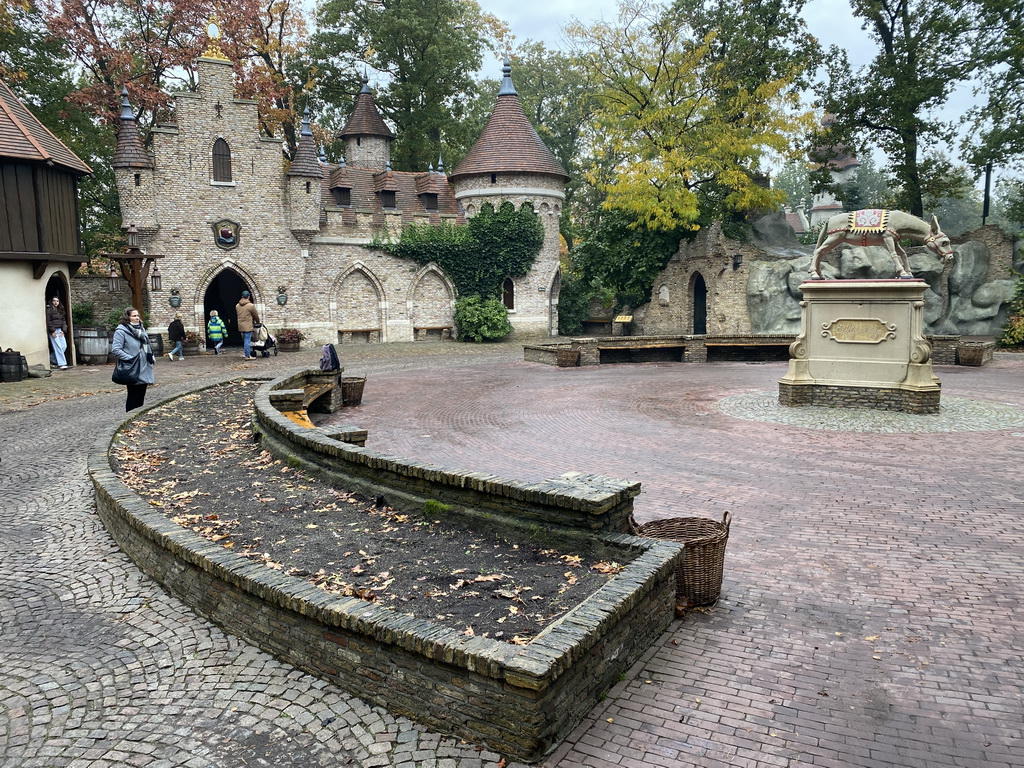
[[862, 345]]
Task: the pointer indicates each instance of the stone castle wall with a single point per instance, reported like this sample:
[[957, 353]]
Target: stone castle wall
[[320, 253]]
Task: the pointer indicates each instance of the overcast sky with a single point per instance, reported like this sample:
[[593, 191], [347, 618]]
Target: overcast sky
[[831, 21]]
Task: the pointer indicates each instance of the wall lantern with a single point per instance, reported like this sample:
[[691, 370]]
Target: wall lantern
[[282, 295], [156, 278], [175, 299], [737, 260], [113, 282]]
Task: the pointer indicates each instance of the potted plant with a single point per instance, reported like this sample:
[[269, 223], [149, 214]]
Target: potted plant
[[288, 339], [190, 346]]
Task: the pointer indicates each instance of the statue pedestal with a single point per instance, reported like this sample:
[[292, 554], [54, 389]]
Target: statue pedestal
[[862, 345]]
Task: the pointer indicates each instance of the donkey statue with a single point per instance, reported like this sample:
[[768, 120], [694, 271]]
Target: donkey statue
[[878, 227]]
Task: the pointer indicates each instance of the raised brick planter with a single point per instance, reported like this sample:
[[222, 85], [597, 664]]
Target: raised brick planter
[[518, 700]]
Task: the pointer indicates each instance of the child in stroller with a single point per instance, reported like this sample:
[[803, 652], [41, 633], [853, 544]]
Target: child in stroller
[[262, 342]]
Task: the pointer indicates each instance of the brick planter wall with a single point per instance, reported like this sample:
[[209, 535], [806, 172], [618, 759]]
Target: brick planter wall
[[518, 700], [878, 398]]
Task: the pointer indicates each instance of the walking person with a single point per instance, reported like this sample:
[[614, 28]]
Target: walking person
[[176, 333], [57, 328], [134, 365], [215, 332], [247, 318]]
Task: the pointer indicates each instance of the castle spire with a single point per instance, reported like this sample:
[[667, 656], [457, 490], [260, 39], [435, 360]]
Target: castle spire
[[129, 152], [305, 162]]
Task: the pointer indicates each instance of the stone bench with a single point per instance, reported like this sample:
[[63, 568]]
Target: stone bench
[[426, 332], [368, 335]]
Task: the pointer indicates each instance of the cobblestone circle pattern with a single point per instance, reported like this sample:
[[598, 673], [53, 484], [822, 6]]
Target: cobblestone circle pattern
[[956, 414]]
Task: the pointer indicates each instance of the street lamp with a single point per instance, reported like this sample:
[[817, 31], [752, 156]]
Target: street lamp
[[113, 282], [157, 278]]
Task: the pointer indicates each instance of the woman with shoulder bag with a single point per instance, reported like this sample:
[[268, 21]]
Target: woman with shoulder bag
[[134, 365]]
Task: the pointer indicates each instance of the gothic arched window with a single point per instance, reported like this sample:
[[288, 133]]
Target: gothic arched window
[[221, 161]]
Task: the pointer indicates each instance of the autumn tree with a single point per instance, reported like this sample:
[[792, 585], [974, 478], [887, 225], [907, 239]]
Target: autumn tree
[[925, 50], [688, 140], [425, 53]]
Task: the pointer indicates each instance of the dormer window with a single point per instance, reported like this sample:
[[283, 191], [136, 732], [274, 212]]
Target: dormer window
[[388, 199], [429, 201], [221, 161], [342, 197]]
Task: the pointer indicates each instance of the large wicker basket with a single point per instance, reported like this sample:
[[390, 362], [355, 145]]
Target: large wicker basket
[[699, 574], [352, 389]]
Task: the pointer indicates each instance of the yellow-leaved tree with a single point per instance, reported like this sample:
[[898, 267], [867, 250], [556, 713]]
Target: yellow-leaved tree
[[681, 135]]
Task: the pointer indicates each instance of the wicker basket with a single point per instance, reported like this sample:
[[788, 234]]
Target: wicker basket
[[699, 574], [568, 358], [352, 390]]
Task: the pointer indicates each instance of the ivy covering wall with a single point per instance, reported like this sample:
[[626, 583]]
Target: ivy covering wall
[[478, 255]]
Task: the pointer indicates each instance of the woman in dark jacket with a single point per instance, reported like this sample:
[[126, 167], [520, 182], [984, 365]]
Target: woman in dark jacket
[[130, 342]]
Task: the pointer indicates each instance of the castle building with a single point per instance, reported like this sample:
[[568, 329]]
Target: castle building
[[843, 165], [217, 200]]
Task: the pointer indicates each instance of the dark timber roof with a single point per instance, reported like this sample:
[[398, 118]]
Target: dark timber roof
[[365, 119], [306, 162], [509, 144], [23, 137], [129, 152]]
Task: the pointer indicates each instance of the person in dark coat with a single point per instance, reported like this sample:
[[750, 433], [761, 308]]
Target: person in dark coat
[[176, 333], [57, 329], [131, 341]]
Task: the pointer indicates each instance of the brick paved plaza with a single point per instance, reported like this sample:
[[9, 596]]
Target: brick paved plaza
[[869, 615]]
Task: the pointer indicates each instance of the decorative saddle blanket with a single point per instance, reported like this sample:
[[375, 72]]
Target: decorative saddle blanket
[[868, 221]]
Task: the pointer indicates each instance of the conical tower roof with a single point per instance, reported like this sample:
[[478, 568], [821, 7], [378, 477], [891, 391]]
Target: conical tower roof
[[306, 162], [509, 144], [365, 119], [129, 152]]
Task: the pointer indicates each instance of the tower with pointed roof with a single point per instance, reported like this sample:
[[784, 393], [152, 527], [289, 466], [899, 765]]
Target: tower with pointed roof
[[133, 172], [366, 137], [304, 185], [510, 162]]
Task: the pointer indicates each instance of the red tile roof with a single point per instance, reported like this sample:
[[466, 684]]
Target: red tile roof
[[23, 137], [509, 144]]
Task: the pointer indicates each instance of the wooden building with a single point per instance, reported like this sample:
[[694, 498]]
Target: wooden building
[[40, 230]]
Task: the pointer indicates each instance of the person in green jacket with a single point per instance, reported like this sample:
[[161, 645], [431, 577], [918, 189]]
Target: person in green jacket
[[215, 331]]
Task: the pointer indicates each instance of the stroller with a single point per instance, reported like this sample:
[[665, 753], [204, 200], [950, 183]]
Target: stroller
[[262, 342]]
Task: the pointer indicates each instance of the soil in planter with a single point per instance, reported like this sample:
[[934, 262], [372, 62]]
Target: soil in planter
[[196, 461]]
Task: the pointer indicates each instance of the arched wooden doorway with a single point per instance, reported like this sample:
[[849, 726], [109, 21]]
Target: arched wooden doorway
[[699, 302], [223, 294]]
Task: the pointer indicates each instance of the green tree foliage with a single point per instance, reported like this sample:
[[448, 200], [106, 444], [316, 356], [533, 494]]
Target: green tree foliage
[[683, 137], [925, 50], [493, 245], [479, 319], [794, 181], [623, 258], [426, 51], [1013, 333], [998, 134], [1008, 205]]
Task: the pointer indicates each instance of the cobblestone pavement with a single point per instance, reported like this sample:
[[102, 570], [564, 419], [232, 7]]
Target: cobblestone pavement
[[869, 616]]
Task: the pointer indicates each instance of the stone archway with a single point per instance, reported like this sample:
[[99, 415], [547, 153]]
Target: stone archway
[[699, 303], [222, 294]]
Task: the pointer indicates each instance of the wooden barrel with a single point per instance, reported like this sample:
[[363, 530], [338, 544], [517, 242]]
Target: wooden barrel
[[10, 366], [93, 345]]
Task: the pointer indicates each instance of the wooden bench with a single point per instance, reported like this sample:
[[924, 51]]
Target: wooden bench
[[294, 403], [422, 332]]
